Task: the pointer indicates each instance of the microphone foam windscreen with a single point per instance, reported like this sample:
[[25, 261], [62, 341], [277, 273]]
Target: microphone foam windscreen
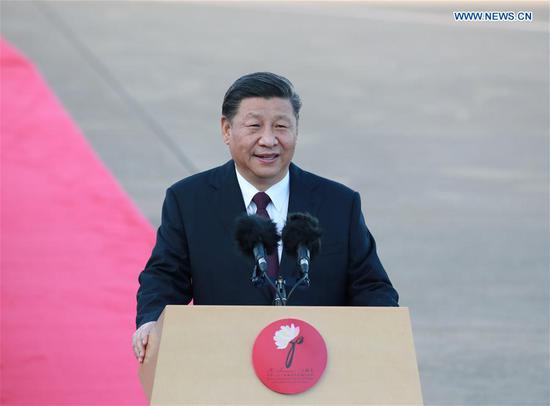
[[253, 229], [301, 228]]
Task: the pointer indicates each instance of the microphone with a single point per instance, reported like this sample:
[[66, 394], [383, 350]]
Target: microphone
[[257, 237], [302, 239]]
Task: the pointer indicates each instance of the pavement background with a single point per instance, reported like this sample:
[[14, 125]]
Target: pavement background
[[442, 126]]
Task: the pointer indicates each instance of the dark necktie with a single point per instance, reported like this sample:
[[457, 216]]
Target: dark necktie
[[262, 200]]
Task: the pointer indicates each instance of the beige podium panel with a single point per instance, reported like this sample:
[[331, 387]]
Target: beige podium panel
[[202, 355]]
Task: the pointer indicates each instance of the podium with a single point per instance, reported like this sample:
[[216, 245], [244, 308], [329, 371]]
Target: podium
[[202, 355]]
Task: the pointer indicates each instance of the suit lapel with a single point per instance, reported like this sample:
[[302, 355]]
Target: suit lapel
[[229, 202], [302, 199]]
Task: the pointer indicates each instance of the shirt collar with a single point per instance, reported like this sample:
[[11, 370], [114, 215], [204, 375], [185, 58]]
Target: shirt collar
[[278, 193]]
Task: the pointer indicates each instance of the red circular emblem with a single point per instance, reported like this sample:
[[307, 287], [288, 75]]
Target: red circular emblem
[[289, 356]]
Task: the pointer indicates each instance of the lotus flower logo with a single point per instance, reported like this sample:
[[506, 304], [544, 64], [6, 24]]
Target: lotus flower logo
[[288, 335]]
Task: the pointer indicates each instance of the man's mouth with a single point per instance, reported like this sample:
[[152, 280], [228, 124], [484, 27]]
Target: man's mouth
[[267, 157]]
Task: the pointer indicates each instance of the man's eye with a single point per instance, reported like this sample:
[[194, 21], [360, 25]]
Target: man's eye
[[254, 125], [281, 126]]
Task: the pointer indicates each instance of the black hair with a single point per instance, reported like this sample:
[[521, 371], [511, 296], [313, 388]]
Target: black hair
[[259, 84]]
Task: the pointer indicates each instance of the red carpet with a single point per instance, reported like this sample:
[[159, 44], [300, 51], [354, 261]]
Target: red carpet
[[72, 247]]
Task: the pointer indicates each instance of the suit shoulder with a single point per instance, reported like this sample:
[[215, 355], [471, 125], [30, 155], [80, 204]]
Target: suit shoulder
[[195, 182], [329, 185]]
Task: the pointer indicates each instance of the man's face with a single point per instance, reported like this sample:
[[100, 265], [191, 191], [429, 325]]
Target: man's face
[[262, 138]]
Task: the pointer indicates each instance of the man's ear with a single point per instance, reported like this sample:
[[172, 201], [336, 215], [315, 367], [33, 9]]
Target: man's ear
[[226, 130]]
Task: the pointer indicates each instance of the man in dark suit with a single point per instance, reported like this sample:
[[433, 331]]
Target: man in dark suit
[[196, 257]]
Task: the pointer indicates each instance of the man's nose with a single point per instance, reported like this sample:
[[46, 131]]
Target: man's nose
[[268, 138]]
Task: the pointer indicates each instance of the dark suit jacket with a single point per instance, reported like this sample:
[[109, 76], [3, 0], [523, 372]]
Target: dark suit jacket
[[196, 257]]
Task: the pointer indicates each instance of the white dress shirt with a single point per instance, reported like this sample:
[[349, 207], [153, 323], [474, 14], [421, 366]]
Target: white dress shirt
[[278, 207]]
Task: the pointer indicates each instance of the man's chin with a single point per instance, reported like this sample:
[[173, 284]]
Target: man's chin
[[269, 176]]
